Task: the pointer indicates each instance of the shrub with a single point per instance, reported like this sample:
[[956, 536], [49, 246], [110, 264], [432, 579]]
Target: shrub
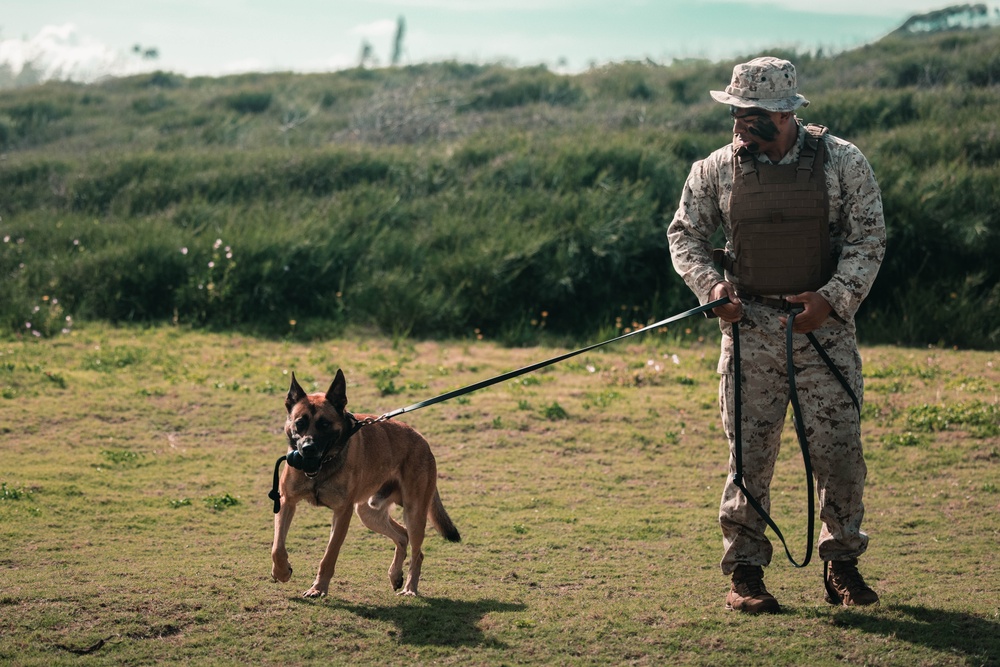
[[249, 101]]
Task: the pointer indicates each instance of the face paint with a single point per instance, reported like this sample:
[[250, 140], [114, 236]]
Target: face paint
[[758, 127]]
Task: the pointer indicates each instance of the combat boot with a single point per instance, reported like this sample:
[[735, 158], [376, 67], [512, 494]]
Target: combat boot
[[845, 585], [748, 593]]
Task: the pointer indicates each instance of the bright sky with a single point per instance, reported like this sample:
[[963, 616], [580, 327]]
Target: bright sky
[[86, 39]]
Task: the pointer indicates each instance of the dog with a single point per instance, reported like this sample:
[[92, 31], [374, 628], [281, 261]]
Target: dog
[[357, 464]]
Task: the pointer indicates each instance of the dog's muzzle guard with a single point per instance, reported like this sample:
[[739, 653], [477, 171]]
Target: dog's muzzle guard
[[310, 465], [299, 459]]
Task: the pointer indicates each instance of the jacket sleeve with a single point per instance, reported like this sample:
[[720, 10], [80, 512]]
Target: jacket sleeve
[[689, 233], [864, 234]]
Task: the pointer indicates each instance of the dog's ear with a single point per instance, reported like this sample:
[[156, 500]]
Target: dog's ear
[[295, 394], [336, 395]]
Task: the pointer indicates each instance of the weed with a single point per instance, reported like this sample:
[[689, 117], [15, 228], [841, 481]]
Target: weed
[[219, 503], [121, 457], [554, 412], [388, 388], [893, 387], [603, 399], [906, 439], [270, 389], [385, 380], [10, 493], [980, 419], [233, 385], [905, 370], [111, 360], [180, 502]]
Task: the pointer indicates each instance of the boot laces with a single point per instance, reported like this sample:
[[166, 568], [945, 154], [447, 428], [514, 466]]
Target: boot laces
[[848, 577], [753, 587], [749, 583]]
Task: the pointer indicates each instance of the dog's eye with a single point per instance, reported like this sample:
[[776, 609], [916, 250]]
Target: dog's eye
[[324, 424], [301, 424]]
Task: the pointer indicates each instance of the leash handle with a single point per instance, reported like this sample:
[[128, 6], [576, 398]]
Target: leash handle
[[548, 362], [274, 494]]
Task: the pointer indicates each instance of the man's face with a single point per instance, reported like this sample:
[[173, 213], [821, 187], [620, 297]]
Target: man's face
[[755, 129]]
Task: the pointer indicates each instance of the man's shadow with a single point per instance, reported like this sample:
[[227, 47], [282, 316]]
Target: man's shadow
[[434, 621], [945, 631]]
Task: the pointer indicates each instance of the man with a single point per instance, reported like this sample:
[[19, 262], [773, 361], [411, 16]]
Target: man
[[802, 216]]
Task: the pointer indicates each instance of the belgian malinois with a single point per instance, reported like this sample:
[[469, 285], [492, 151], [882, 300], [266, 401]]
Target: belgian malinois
[[337, 463]]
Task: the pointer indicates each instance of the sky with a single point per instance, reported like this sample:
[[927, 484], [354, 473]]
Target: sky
[[85, 40]]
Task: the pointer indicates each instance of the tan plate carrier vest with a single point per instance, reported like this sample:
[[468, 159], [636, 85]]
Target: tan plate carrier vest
[[780, 222]]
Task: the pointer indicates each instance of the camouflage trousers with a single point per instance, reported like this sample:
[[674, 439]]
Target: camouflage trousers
[[832, 425]]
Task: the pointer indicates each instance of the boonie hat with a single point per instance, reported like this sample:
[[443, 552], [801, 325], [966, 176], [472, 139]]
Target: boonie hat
[[765, 83]]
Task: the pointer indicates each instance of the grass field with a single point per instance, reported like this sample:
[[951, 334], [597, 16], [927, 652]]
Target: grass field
[[136, 463]]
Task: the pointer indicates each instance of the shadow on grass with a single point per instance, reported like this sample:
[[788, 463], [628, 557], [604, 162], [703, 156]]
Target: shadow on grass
[[436, 621], [949, 631]]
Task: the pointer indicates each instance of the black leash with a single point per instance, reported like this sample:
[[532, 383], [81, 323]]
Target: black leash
[[276, 496], [800, 431], [548, 362]]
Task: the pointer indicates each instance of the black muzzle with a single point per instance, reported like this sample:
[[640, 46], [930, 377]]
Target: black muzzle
[[306, 456]]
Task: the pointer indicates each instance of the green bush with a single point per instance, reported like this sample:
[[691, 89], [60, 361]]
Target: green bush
[[197, 201], [249, 101]]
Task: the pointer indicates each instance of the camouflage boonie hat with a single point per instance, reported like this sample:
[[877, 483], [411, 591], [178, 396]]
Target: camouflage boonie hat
[[764, 83]]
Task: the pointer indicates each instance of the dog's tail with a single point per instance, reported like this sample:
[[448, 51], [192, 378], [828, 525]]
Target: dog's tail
[[441, 521]]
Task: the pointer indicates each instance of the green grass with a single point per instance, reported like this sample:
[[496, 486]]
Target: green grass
[[134, 510]]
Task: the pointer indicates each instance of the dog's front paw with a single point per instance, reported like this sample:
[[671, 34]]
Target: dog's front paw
[[314, 592], [282, 574]]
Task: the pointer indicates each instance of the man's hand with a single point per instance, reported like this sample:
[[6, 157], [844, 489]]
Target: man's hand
[[729, 312], [817, 309]]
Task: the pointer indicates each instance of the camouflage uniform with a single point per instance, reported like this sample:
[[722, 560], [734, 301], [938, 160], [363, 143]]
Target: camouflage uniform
[[857, 236]]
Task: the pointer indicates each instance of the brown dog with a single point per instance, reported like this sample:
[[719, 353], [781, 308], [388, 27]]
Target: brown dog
[[337, 463]]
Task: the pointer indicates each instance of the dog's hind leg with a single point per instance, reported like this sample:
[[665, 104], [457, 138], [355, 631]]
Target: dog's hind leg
[[416, 525], [326, 566], [379, 521]]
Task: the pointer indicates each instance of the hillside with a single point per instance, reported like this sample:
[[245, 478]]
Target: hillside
[[436, 200]]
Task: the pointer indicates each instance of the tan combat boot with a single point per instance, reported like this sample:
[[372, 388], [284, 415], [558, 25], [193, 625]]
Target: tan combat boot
[[845, 586], [748, 593]]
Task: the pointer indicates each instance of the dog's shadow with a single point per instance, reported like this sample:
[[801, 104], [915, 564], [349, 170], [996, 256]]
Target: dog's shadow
[[947, 631], [434, 621]]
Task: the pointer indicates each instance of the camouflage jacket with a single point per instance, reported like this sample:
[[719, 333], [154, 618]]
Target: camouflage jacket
[[857, 225]]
